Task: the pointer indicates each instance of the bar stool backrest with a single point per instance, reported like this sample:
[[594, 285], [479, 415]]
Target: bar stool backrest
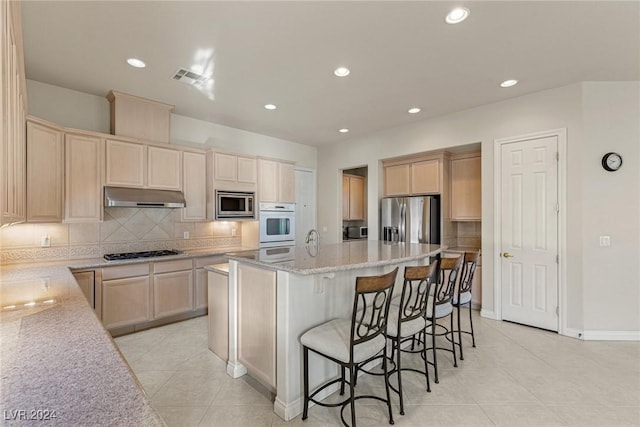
[[415, 291], [449, 271], [371, 307], [468, 270]]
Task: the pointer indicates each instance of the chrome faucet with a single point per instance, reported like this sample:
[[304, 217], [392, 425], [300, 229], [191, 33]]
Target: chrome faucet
[[313, 236]]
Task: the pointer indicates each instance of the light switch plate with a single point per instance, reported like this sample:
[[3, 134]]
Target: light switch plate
[[185, 235], [45, 241], [605, 241]]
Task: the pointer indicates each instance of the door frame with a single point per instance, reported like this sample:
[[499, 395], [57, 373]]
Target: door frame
[[561, 134]]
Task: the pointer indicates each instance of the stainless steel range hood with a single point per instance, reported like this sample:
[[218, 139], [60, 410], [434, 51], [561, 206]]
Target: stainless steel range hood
[[142, 198]]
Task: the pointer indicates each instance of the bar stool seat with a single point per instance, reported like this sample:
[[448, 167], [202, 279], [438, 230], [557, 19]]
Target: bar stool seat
[[334, 337], [441, 310], [465, 297]]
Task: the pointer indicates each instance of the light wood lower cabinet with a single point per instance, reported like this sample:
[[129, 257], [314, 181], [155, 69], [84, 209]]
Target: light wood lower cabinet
[[257, 322], [91, 288], [125, 301], [172, 293], [218, 284]]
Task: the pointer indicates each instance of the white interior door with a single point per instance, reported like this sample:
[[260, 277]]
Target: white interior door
[[529, 232], [305, 203]]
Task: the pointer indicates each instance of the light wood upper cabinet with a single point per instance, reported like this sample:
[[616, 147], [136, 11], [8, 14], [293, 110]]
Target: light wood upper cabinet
[[233, 172], [141, 118], [194, 184], [45, 172], [466, 196], [83, 178], [353, 195], [397, 180], [130, 164], [277, 181], [13, 108], [125, 164], [413, 176], [164, 168], [425, 177]]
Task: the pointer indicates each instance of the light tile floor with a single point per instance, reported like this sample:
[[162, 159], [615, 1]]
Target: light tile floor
[[516, 376]]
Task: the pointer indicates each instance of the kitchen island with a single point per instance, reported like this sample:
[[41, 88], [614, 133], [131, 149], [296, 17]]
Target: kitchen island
[[276, 294]]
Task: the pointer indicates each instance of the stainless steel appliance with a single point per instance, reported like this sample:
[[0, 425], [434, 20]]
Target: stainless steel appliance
[[277, 224], [142, 198], [357, 232], [413, 219], [143, 254], [235, 205]]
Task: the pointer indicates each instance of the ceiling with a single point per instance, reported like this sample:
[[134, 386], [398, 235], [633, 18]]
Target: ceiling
[[401, 55]]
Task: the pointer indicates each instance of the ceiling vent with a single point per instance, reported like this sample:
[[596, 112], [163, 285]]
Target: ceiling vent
[[189, 77]]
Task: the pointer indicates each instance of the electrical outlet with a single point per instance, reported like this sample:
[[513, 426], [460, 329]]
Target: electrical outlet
[[45, 241], [234, 231], [185, 235], [324, 229], [605, 241]]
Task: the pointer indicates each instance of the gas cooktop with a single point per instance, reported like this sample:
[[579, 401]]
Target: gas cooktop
[[144, 254]]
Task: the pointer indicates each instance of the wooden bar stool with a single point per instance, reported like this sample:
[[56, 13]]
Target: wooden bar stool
[[408, 319], [355, 342], [463, 296]]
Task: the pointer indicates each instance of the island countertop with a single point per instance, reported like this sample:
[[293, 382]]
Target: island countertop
[[306, 260]]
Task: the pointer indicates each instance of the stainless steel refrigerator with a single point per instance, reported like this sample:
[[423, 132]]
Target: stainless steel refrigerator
[[414, 219]]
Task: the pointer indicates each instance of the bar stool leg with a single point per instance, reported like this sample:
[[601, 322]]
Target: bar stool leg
[[473, 336], [459, 333], [433, 344], [386, 383], [305, 363], [352, 374], [426, 363], [396, 343], [453, 343]]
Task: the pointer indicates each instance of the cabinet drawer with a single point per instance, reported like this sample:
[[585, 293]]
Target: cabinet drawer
[[123, 271], [208, 260], [177, 265]]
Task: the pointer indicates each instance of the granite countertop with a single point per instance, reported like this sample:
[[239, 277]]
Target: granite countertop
[[56, 356], [58, 359], [353, 255]]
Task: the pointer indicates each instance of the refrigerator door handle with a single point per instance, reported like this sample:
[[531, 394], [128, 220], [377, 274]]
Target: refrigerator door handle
[[403, 221]]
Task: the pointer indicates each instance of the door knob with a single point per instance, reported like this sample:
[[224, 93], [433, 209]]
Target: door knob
[[507, 255]]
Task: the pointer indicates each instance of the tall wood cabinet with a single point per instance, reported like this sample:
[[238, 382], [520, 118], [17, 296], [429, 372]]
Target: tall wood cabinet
[[466, 195], [353, 197], [13, 109], [45, 171], [194, 186], [83, 178], [277, 181]]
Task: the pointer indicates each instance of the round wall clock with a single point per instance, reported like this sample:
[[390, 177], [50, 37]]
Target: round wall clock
[[611, 162]]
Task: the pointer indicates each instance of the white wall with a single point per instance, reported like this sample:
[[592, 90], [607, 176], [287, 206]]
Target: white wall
[[611, 207], [551, 109], [80, 110]]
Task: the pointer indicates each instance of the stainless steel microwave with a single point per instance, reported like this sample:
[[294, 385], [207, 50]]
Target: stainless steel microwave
[[235, 205]]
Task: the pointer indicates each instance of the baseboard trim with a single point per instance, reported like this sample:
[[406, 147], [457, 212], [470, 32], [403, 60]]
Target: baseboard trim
[[488, 314], [611, 335], [236, 370], [573, 333]]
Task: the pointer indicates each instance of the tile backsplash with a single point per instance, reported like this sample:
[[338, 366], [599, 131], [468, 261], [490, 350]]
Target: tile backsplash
[[123, 230], [468, 233]]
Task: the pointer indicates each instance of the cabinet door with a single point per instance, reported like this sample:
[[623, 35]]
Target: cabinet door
[[125, 164], [345, 197], [356, 198], [247, 170], [396, 180], [125, 302], [425, 177], [218, 284], [45, 171], [86, 281], [287, 183], [194, 183], [164, 168], [200, 290], [225, 167], [83, 179], [268, 181], [466, 197], [172, 293]]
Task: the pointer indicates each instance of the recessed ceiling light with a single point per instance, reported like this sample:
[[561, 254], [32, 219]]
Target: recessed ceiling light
[[270, 107], [343, 130], [509, 83], [341, 71], [457, 15], [414, 110], [137, 63]]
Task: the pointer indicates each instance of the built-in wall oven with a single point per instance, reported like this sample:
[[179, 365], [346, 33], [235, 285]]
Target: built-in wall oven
[[277, 224]]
